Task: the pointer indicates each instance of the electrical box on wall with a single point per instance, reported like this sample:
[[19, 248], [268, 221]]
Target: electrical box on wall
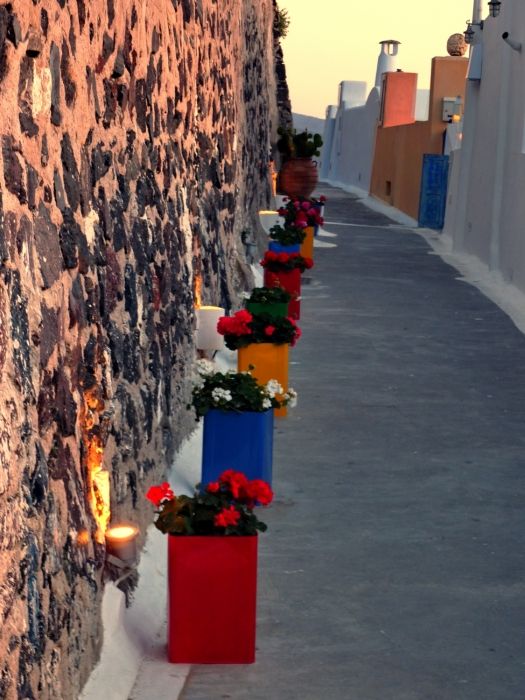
[[452, 108], [449, 105]]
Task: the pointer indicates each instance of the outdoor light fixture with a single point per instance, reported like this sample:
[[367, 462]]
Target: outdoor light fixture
[[494, 7], [121, 545], [469, 33]]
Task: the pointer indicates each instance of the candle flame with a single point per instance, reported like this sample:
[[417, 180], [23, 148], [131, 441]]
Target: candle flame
[[98, 478], [122, 532], [197, 290]]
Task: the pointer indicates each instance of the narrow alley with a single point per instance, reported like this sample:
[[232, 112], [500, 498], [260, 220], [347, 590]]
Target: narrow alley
[[394, 563]]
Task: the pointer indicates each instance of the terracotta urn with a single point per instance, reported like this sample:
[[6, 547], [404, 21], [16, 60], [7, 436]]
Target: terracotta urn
[[298, 177]]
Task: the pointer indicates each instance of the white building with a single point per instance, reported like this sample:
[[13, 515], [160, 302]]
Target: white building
[[350, 127], [486, 204]]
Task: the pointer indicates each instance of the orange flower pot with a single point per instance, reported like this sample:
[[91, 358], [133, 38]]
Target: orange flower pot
[[270, 361], [307, 246]]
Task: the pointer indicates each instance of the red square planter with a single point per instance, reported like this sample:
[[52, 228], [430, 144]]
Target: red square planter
[[291, 281], [212, 591]]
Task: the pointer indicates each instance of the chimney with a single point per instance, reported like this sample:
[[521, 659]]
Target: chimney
[[477, 12], [387, 61]]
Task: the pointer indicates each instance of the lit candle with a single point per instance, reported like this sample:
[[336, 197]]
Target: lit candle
[[121, 542], [207, 336], [269, 218]]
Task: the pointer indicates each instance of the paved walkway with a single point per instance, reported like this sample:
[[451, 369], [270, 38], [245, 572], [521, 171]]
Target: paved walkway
[[394, 564]]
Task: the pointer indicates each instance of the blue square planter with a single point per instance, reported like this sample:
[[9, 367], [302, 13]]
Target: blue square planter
[[278, 248], [240, 441]]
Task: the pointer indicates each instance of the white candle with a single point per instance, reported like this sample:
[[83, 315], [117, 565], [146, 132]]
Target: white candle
[[207, 336], [121, 542]]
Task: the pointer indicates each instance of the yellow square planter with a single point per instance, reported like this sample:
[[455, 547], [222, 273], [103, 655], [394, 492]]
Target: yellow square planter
[[270, 361], [307, 246]]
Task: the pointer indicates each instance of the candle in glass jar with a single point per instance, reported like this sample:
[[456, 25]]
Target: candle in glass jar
[[121, 542], [207, 336]]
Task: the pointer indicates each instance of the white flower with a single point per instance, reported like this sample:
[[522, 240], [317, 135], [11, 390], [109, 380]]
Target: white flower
[[245, 295], [219, 395], [204, 367], [291, 397], [273, 387], [266, 403]]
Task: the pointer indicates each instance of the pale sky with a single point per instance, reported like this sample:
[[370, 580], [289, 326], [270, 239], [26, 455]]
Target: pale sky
[[333, 40]]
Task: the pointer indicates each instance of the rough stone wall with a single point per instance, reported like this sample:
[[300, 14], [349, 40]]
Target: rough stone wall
[[134, 144]]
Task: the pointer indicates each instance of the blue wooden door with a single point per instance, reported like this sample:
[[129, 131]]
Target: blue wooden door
[[433, 197]]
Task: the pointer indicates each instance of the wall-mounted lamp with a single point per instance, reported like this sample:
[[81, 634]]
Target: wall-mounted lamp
[[121, 544], [494, 7], [207, 336], [469, 33], [250, 246], [515, 45]]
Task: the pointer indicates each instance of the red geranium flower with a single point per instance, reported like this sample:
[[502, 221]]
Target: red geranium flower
[[322, 198], [235, 481], [258, 491], [236, 324], [269, 330], [213, 487], [157, 494], [227, 516], [298, 332]]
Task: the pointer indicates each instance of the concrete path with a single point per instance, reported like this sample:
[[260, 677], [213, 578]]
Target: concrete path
[[394, 564]]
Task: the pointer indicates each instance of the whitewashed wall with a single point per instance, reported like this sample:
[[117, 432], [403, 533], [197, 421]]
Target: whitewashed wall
[[353, 144], [486, 203]]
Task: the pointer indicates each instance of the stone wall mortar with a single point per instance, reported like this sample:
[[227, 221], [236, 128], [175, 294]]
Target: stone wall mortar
[[134, 147]]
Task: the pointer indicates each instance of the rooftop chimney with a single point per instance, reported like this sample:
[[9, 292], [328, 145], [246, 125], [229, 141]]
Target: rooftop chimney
[[387, 61]]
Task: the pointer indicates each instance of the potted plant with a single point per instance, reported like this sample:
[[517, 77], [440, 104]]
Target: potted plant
[[212, 568], [243, 329], [298, 175], [269, 300], [238, 420], [305, 213], [284, 270], [262, 342], [286, 239]]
